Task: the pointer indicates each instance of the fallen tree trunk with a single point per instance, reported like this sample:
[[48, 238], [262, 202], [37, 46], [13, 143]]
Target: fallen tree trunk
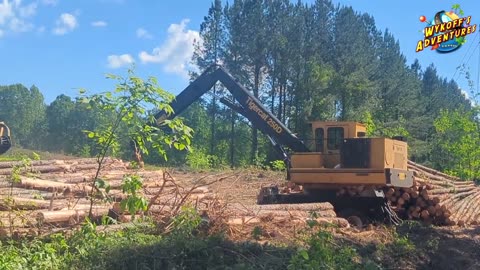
[[52, 186], [293, 213], [69, 216], [300, 206], [18, 203], [431, 171], [254, 220], [11, 164]]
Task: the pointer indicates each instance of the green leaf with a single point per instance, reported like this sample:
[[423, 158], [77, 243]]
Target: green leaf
[[110, 76], [123, 204], [100, 183], [304, 254], [35, 156]]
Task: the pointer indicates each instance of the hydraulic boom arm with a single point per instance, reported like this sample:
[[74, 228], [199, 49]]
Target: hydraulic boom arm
[[250, 107]]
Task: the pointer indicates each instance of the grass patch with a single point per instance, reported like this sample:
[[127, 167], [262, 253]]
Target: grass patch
[[139, 248], [187, 247]]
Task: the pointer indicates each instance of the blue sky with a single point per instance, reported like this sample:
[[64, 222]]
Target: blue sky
[[62, 45]]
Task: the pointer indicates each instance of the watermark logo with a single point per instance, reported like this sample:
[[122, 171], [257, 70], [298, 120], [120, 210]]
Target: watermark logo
[[446, 31]]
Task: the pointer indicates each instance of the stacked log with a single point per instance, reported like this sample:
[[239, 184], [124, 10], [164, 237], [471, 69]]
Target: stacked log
[[298, 214], [437, 198], [61, 166], [71, 216], [54, 192]]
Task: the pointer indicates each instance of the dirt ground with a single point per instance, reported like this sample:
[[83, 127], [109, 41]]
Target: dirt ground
[[409, 246]]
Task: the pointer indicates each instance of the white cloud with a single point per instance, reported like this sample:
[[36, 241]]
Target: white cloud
[[6, 12], [17, 25], [65, 24], [467, 96], [142, 33], [28, 10], [113, 1], [117, 61], [14, 16], [50, 2], [99, 24], [176, 51]]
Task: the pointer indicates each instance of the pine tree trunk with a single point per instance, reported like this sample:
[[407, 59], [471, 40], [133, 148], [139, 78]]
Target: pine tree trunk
[[254, 153], [280, 102], [212, 128], [232, 139], [274, 77], [285, 104]]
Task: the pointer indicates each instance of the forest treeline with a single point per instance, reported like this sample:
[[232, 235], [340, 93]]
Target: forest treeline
[[304, 62]]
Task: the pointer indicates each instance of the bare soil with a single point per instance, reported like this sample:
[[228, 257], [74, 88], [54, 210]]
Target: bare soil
[[409, 246]]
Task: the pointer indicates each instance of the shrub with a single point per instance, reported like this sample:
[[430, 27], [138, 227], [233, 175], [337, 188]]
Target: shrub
[[323, 253], [278, 165], [199, 159]]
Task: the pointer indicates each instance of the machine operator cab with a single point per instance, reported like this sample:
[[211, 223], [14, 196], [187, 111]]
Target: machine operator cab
[[342, 154], [328, 138], [329, 135]]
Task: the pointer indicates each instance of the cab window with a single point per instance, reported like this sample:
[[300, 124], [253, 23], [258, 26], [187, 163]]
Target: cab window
[[334, 138], [319, 139]]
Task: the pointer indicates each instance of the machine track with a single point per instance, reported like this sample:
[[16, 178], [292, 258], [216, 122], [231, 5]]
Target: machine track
[[365, 209]]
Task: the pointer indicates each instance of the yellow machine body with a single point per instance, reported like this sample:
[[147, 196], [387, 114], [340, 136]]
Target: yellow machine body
[[343, 156]]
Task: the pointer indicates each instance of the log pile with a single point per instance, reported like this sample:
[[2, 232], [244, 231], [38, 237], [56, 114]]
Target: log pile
[[53, 195], [435, 198], [281, 214]]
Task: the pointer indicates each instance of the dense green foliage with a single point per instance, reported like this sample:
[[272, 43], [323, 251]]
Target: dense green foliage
[[141, 247], [324, 254], [458, 136], [299, 59], [144, 245], [301, 62]]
